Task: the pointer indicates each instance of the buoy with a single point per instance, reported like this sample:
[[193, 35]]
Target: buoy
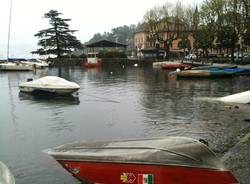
[[178, 70], [135, 65]]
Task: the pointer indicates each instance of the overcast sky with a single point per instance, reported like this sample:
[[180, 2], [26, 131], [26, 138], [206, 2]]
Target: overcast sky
[[88, 17]]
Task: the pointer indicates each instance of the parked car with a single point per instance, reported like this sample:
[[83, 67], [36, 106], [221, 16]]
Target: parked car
[[236, 54], [241, 58], [190, 57]]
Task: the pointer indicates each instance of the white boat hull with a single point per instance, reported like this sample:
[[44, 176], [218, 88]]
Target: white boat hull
[[49, 84], [243, 97], [37, 65], [15, 67]]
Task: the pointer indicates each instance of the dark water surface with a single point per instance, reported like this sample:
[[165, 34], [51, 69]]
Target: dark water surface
[[113, 103]]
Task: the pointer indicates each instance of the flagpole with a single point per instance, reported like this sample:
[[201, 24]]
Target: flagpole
[[8, 45]]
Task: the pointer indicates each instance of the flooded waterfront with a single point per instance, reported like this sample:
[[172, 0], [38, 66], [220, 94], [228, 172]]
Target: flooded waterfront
[[114, 102]]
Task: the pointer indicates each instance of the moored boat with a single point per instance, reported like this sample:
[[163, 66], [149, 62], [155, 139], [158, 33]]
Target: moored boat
[[193, 73], [159, 64], [243, 97], [12, 66], [214, 67], [213, 72], [93, 61], [238, 71], [174, 66], [49, 84], [37, 64], [91, 65], [170, 160]]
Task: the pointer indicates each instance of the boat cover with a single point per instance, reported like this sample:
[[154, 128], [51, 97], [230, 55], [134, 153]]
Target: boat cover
[[176, 151], [213, 67], [214, 72], [238, 71], [243, 97], [52, 82]]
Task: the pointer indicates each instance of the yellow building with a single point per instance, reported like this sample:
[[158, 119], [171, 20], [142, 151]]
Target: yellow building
[[142, 43]]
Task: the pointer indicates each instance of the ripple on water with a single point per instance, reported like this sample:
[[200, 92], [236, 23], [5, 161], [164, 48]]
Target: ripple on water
[[130, 102]]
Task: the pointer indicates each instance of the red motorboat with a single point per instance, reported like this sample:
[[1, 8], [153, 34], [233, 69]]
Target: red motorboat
[[91, 65], [171, 160], [92, 60], [174, 66]]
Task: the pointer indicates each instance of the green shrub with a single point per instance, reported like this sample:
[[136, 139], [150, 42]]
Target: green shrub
[[112, 54]]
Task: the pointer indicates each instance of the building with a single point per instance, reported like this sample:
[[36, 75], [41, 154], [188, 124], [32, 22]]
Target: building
[[140, 42], [145, 48]]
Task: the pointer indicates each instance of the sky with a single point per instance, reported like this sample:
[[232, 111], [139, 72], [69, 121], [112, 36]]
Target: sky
[[88, 17]]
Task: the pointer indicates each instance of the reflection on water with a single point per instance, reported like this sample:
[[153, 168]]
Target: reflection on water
[[50, 99], [114, 102]]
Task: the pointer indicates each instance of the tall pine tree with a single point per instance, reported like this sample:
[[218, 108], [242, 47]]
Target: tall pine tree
[[58, 39]]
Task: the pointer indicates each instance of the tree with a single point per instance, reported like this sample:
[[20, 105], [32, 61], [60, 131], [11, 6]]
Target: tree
[[184, 42], [228, 20], [211, 22], [246, 14], [204, 39], [164, 24], [195, 22], [174, 25], [121, 34], [58, 39]]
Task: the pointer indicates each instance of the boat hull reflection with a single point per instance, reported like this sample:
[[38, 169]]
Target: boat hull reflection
[[47, 98]]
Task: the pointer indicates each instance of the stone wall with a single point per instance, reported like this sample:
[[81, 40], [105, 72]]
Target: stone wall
[[77, 61]]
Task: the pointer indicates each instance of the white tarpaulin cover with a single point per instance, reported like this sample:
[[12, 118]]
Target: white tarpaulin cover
[[51, 82], [179, 151], [243, 97]]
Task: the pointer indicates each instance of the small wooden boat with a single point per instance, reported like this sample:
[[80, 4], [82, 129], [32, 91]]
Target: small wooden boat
[[213, 72], [50, 85], [92, 60], [213, 67], [174, 66], [193, 73], [12, 66], [243, 97], [238, 71], [159, 64], [170, 160], [229, 72]]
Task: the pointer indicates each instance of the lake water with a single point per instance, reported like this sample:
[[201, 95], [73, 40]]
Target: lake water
[[114, 102]]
